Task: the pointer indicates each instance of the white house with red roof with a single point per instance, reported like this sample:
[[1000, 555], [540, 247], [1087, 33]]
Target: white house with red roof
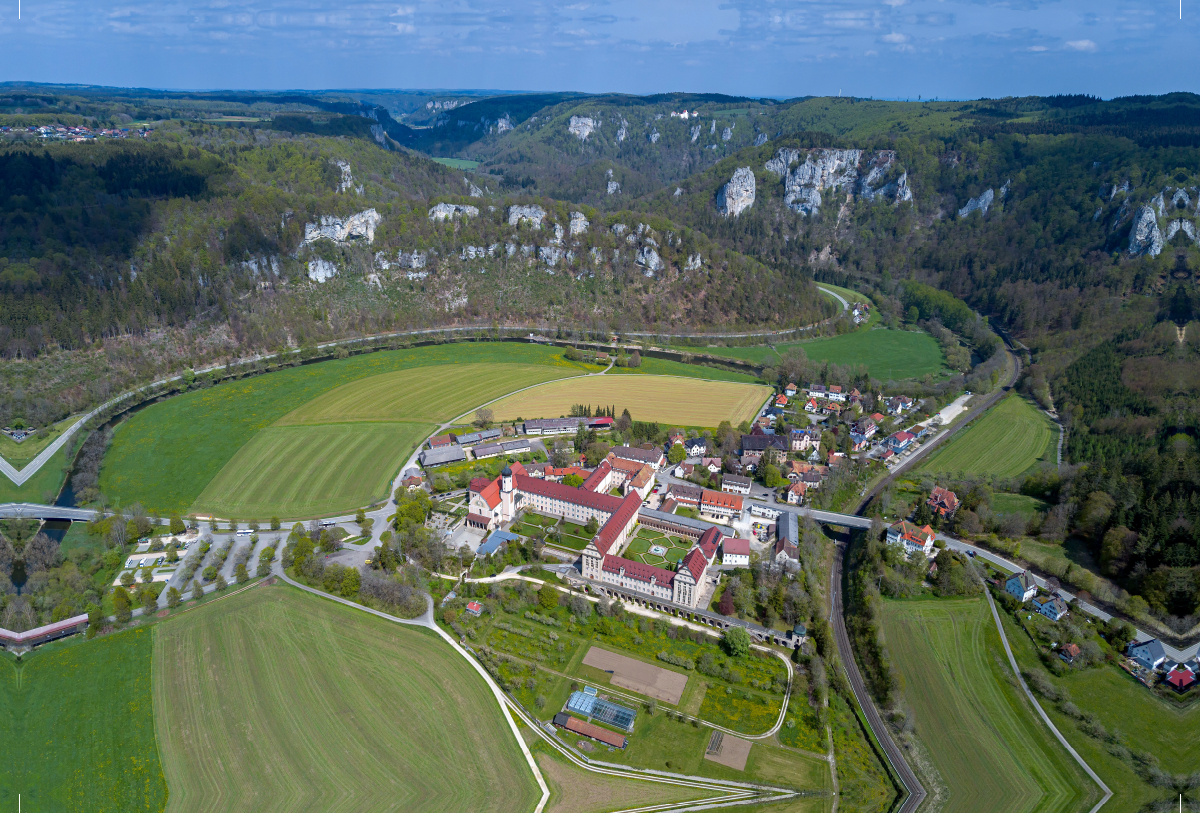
[[735, 552], [914, 539]]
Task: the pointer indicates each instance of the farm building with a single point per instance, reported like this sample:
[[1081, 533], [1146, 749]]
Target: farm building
[[577, 726], [442, 456], [552, 426], [473, 438]]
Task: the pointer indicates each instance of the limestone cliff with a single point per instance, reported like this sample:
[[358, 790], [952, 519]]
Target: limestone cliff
[[449, 211], [579, 223], [342, 230], [737, 195], [320, 270], [856, 171], [582, 126], [533, 215], [979, 203], [1145, 237]]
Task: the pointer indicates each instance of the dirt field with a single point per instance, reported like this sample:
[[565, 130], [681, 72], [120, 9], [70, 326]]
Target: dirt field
[[732, 752], [665, 399], [643, 678]]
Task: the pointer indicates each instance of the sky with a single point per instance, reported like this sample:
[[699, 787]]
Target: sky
[[947, 49]]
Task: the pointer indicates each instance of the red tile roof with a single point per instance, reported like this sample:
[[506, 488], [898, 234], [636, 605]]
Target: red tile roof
[[606, 537], [595, 732], [736, 546], [639, 571], [478, 519], [489, 490], [695, 562], [577, 496], [592, 483], [720, 498]]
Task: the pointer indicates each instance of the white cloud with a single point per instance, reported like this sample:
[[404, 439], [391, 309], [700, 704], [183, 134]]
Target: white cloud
[[895, 38], [1082, 45], [1036, 48]]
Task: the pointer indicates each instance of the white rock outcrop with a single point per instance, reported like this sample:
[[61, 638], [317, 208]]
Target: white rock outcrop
[[613, 188], [504, 124], [694, 261], [695, 132], [472, 253], [713, 129], [649, 260], [582, 126], [822, 169], [449, 211], [980, 203], [579, 224], [678, 191], [738, 195], [347, 182], [654, 136], [533, 215], [727, 133], [760, 139], [321, 270], [1180, 199], [1179, 224], [1145, 237], [1122, 187], [558, 235], [341, 230], [623, 130], [473, 190], [619, 228], [550, 255]]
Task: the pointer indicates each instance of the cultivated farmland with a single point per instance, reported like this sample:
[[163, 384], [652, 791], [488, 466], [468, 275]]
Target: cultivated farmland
[[78, 728], [434, 393], [165, 455], [305, 471], [669, 400], [1009, 439], [277, 700], [983, 738]]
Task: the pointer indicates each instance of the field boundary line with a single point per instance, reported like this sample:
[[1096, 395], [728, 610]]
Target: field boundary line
[[1042, 712]]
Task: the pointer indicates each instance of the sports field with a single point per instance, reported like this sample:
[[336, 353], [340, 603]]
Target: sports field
[[677, 401], [1010, 438], [277, 700], [303, 471], [985, 740], [78, 728], [167, 454]]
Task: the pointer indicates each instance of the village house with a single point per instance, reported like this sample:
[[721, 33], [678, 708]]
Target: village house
[[900, 441], [914, 539], [836, 394], [943, 501], [720, 505], [899, 404], [473, 438], [812, 405], [796, 492], [696, 447], [866, 427], [817, 391], [686, 495], [781, 400], [1148, 654], [1022, 586], [1069, 653], [676, 439], [760, 443], [790, 390], [858, 442], [713, 464], [733, 484], [803, 440], [735, 552], [441, 441], [1052, 607]]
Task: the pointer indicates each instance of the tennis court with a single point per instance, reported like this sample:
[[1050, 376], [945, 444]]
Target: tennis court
[[636, 676]]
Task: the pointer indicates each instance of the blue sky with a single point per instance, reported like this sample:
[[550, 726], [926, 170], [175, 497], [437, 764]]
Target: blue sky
[[883, 48]]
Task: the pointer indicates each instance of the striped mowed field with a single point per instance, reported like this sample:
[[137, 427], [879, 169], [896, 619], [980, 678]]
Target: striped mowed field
[[985, 740], [433, 394], [275, 700], [306, 471], [665, 399], [1010, 438]]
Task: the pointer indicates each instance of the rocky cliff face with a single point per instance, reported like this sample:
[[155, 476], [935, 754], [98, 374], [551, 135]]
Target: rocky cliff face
[[980, 203], [737, 195], [533, 215], [340, 230], [449, 211], [320, 270], [582, 126], [579, 224], [649, 260], [1145, 237], [856, 171]]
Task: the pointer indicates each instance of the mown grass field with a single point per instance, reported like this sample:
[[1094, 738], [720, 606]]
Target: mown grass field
[[165, 455], [651, 366], [1012, 437], [1124, 705], [20, 454], [421, 394], [78, 728], [277, 700], [574, 790], [887, 354], [686, 401], [984, 739], [304, 471], [46, 483]]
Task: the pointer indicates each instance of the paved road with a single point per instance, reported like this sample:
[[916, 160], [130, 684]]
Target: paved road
[[14, 510]]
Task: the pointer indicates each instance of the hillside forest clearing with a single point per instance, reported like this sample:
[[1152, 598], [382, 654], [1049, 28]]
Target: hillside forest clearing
[[1010, 439], [278, 700], [665, 399], [77, 727], [304, 471], [984, 739], [165, 455]]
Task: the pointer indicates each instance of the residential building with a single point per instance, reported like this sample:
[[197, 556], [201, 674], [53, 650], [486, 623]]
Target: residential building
[[1149, 654], [943, 501], [654, 457], [760, 443], [812, 405], [790, 390], [900, 441], [1069, 653], [857, 442], [696, 447], [735, 552], [441, 441], [758, 509], [796, 493], [720, 504], [474, 608], [803, 440], [1022, 586], [676, 439], [899, 404], [836, 394], [866, 427], [781, 400], [733, 484], [1052, 607], [914, 539], [817, 391], [713, 464]]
